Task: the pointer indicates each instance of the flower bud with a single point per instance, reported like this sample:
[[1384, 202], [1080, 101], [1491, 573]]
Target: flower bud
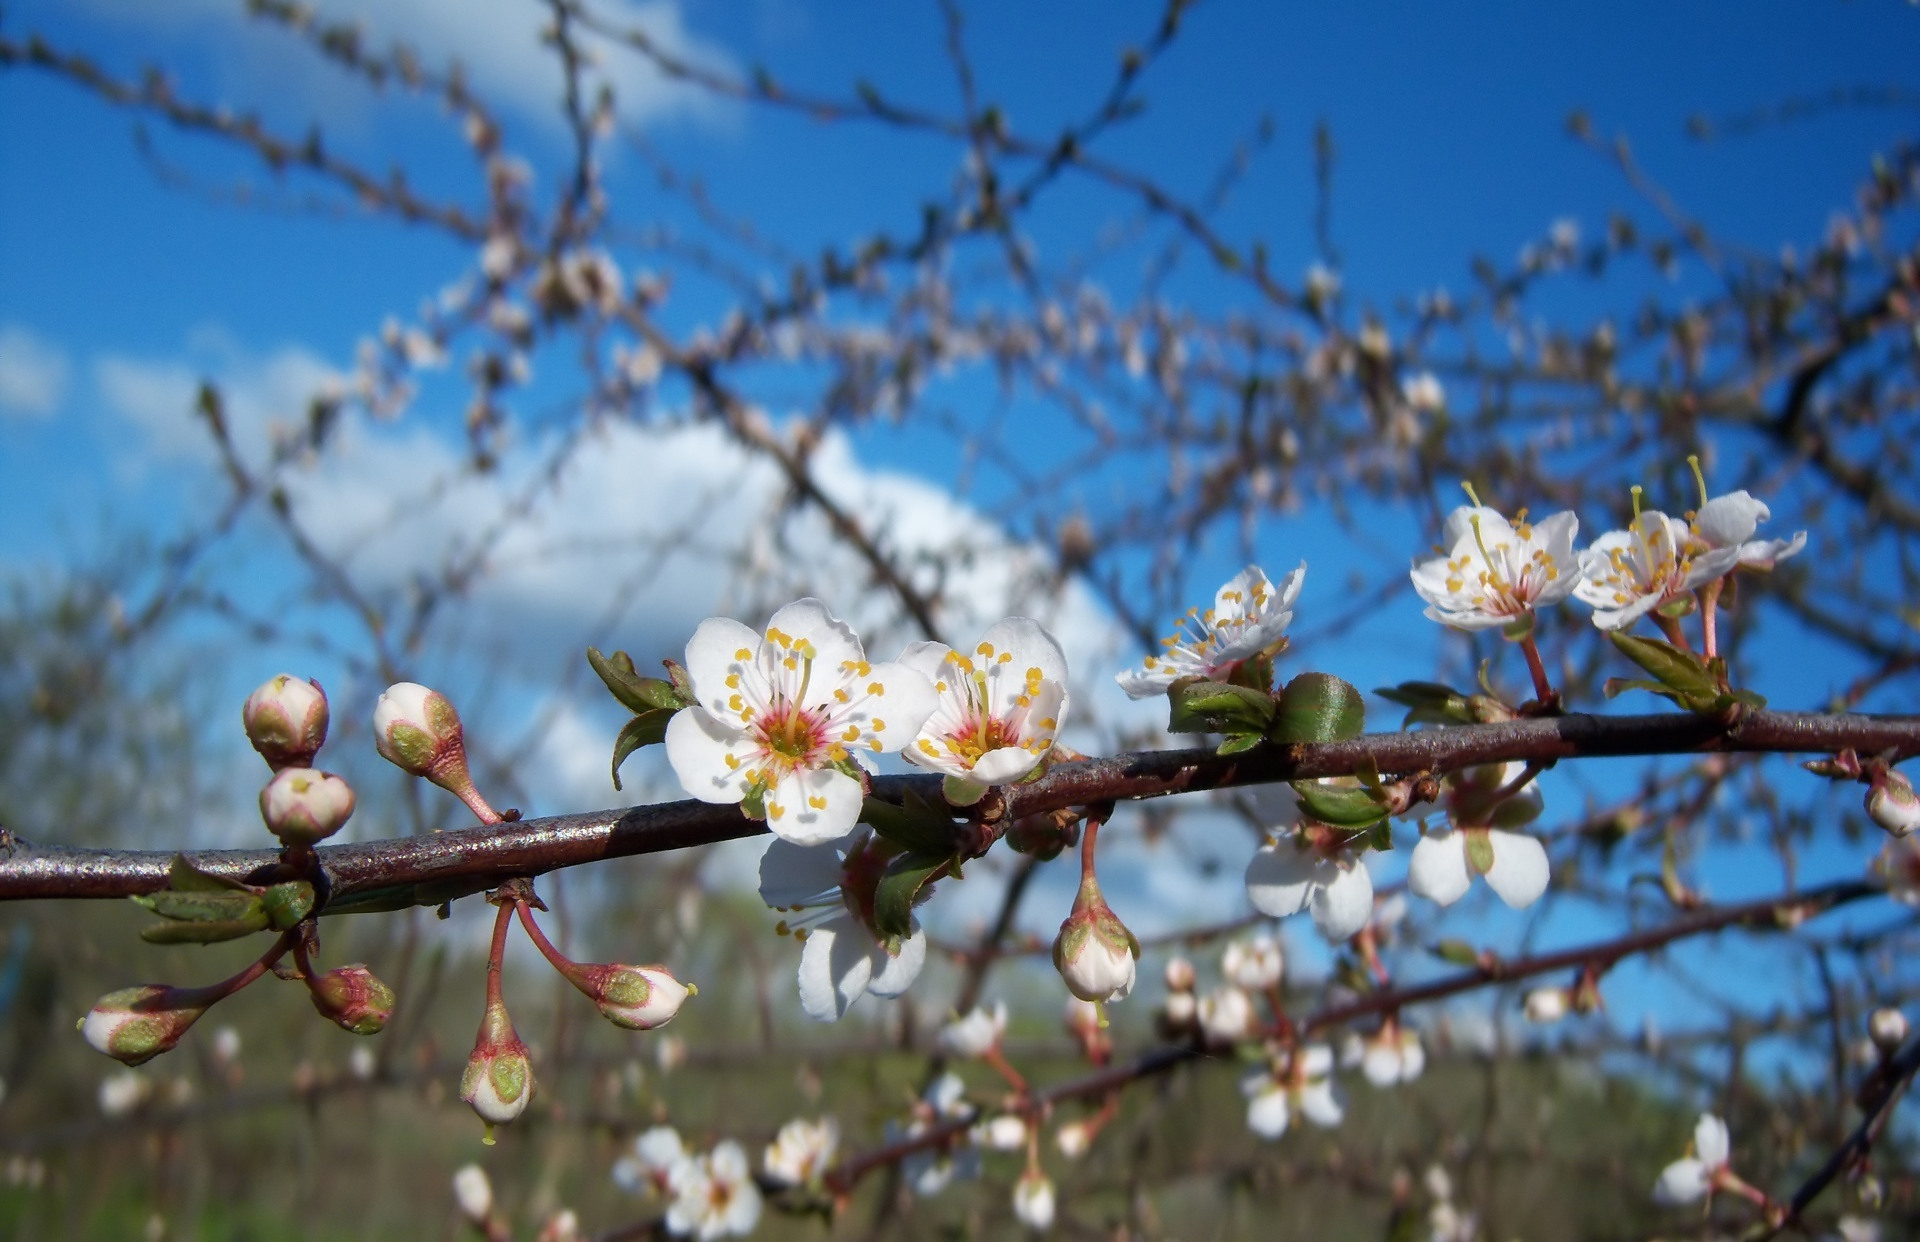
[[638, 998], [302, 806], [286, 721], [1095, 952], [562, 1226], [1033, 1200], [1545, 1005], [1254, 964], [135, 1025], [1073, 1139], [1226, 1016], [1007, 1132], [1180, 975], [473, 1193], [498, 1080], [353, 1000], [417, 730], [1181, 1009], [1888, 1027], [1892, 803]]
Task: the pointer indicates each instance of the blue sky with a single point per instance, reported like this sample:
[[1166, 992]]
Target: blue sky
[[118, 290]]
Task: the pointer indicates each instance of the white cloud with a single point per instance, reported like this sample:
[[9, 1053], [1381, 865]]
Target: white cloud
[[33, 374], [496, 42]]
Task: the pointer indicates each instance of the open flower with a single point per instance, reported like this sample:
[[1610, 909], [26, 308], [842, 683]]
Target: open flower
[[1700, 1174], [843, 955], [1249, 617], [1482, 809], [1226, 1015], [783, 719], [1495, 572], [650, 1165], [714, 1195], [802, 1150], [1391, 1055], [1255, 963], [1628, 573], [1305, 1087], [1307, 866], [998, 711], [976, 1033], [1730, 521], [928, 1171]]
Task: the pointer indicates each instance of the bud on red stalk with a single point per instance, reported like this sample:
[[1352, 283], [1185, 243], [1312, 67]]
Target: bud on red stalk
[[286, 721], [638, 998], [1094, 952], [302, 806], [498, 1080], [353, 999], [135, 1025], [418, 731]]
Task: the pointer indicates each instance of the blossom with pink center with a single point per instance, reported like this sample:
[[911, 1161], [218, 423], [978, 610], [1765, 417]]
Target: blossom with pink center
[[1657, 559], [999, 709], [784, 718], [1249, 617], [1492, 572], [843, 956]]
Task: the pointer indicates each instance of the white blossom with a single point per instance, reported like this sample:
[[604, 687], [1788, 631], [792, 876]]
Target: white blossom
[[1695, 1176], [1546, 1005], [1249, 616], [998, 710], [1033, 1200], [1730, 521], [1254, 964], [473, 1193], [1305, 1087], [1626, 574], [1444, 863], [802, 1150], [713, 1195], [1493, 572], [783, 716], [1226, 1015], [976, 1033], [1390, 1056], [843, 956], [1313, 872]]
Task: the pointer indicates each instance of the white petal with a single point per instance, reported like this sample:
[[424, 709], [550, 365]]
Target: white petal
[[1267, 1112], [1726, 521], [835, 964], [698, 747], [1438, 869], [1765, 553], [812, 806], [927, 659], [1142, 685], [1320, 1104], [712, 654], [1316, 1060], [1683, 1181], [1710, 565], [834, 642], [798, 875], [1004, 765], [1710, 1141], [1413, 1057], [1031, 647], [1342, 905], [1519, 871], [902, 703], [1381, 1065], [1280, 878], [895, 973]]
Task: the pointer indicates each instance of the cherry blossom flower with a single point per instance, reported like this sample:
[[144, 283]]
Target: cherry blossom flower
[[1898, 867], [801, 1151], [1495, 572], [713, 1195], [976, 1033], [1254, 963], [1033, 1200], [1730, 521], [1700, 1174], [1304, 1087], [1007, 1132], [1478, 843], [842, 955], [1249, 617], [1390, 1056], [783, 719], [1314, 871], [473, 1193], [1626, 574], [1545, 1006], [998, 710], [650, 1164], [1073, 1139], [928, 1172], [1226, 1015]]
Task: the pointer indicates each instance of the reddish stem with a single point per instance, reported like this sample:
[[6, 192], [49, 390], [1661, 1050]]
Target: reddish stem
[[1542, 688], [1709, 602], [497, 954], [998, 1061]]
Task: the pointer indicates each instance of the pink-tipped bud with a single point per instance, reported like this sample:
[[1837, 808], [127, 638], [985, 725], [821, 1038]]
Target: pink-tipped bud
[[638, 998], [498, 1081], [417, 730], [353, 999], [1892, 803], [1094, 952], [302, 806], [135, 1025], [286, 721]]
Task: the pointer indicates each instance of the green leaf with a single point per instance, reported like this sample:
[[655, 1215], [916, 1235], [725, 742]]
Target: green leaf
[[1343, 806], [1429, 702], [916, 825], [900, 888], [205, 907], [646, 729], [1238, 742], [1202, 706], [1673, 667], [184, 877], [1318, 707], [1479, 850], [286, 904], [639, 694], [1518, 629], [1459, 952], [201, 933]]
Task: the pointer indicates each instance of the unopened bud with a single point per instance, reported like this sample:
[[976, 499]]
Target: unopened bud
[[1181, 1010], [498, 1081], [1226, 1016], [1180, 975], [1033, 1200], [562, 1226], [417, 730], [638, 998], [302, 806], [1892, 803], [1255, 964], [135, 1025], [1888, 1028], [1007, 1132], [353, 999], [286, 721], [1073, 1139], [473, 1193], [1545, 1005], [1094, 952]]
